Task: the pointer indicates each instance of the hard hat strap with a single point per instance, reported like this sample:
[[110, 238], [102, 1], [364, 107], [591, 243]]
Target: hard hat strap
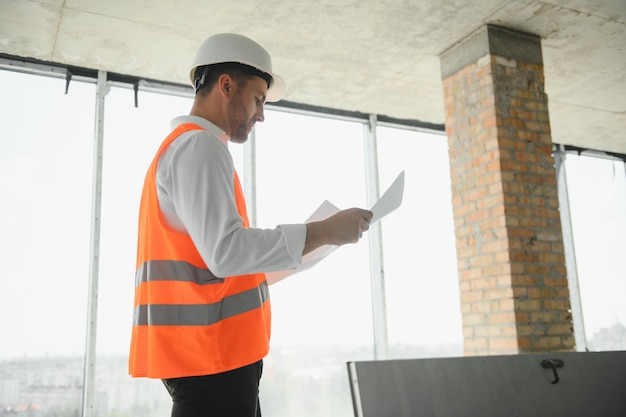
[[200, 80]]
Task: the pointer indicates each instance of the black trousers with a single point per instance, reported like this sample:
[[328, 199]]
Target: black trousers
[[229, 394]]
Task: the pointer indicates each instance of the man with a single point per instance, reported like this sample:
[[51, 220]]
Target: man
[[202, 310]]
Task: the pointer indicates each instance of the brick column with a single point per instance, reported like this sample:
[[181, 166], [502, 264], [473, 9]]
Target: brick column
[[511, 263]]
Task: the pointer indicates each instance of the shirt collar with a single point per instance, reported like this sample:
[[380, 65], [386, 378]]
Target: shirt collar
[[203, 123]]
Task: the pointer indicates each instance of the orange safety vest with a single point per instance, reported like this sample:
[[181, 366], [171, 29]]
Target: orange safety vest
[[188, 322]]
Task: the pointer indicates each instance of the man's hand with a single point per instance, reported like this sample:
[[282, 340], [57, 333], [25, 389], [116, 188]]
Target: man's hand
[[346, 226]]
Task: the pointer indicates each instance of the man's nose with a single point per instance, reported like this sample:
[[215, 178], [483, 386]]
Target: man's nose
[[260, 116]]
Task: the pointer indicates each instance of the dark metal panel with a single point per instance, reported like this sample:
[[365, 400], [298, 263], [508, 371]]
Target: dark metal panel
[[588, 384]]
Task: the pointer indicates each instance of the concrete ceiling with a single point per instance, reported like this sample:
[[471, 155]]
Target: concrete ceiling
[[370, 56]]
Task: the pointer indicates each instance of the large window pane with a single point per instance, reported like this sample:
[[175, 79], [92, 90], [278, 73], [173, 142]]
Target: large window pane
[[421, 280], [597, 192], [45, 184], [321, 317]]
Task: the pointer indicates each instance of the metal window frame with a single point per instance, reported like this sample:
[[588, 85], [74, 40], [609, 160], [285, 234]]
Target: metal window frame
[[89, 368], [580, 338]]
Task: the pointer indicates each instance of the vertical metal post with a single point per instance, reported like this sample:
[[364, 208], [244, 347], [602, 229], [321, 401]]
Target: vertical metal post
[[249, 161], [89, 366], [377, 272], [580, 337]]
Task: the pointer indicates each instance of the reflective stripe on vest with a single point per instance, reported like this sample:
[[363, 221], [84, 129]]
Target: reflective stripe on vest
[[200, 314], [174, 270], [187, 321]]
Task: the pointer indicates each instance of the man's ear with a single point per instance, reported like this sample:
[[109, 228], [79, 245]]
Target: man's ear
[[225, 84]]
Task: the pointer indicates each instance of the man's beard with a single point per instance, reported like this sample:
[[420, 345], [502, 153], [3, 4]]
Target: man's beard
[[238, 129]]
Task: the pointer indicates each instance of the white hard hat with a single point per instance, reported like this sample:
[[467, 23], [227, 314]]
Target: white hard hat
[[231, 47]]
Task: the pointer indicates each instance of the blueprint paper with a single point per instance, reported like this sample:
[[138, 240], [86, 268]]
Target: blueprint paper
[[325, 210], [390, 200]]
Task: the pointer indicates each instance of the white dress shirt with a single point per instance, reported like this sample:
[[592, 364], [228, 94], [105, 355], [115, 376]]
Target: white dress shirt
[[196, 194]]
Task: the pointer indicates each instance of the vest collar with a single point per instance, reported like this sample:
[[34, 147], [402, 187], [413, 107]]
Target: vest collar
[[203, 123]]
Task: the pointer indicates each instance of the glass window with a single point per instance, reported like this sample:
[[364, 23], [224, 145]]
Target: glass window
[[322, 317], [45, 183], [421, 279], [597, 192]]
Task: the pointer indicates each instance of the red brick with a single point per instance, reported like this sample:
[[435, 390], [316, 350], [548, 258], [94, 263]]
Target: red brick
[[512, 273]]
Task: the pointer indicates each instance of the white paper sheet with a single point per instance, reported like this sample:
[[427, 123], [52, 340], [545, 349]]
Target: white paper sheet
[[390, 200]]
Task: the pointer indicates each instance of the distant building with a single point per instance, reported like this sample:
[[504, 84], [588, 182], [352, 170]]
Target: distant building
[[612, 338], [9, 390]]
